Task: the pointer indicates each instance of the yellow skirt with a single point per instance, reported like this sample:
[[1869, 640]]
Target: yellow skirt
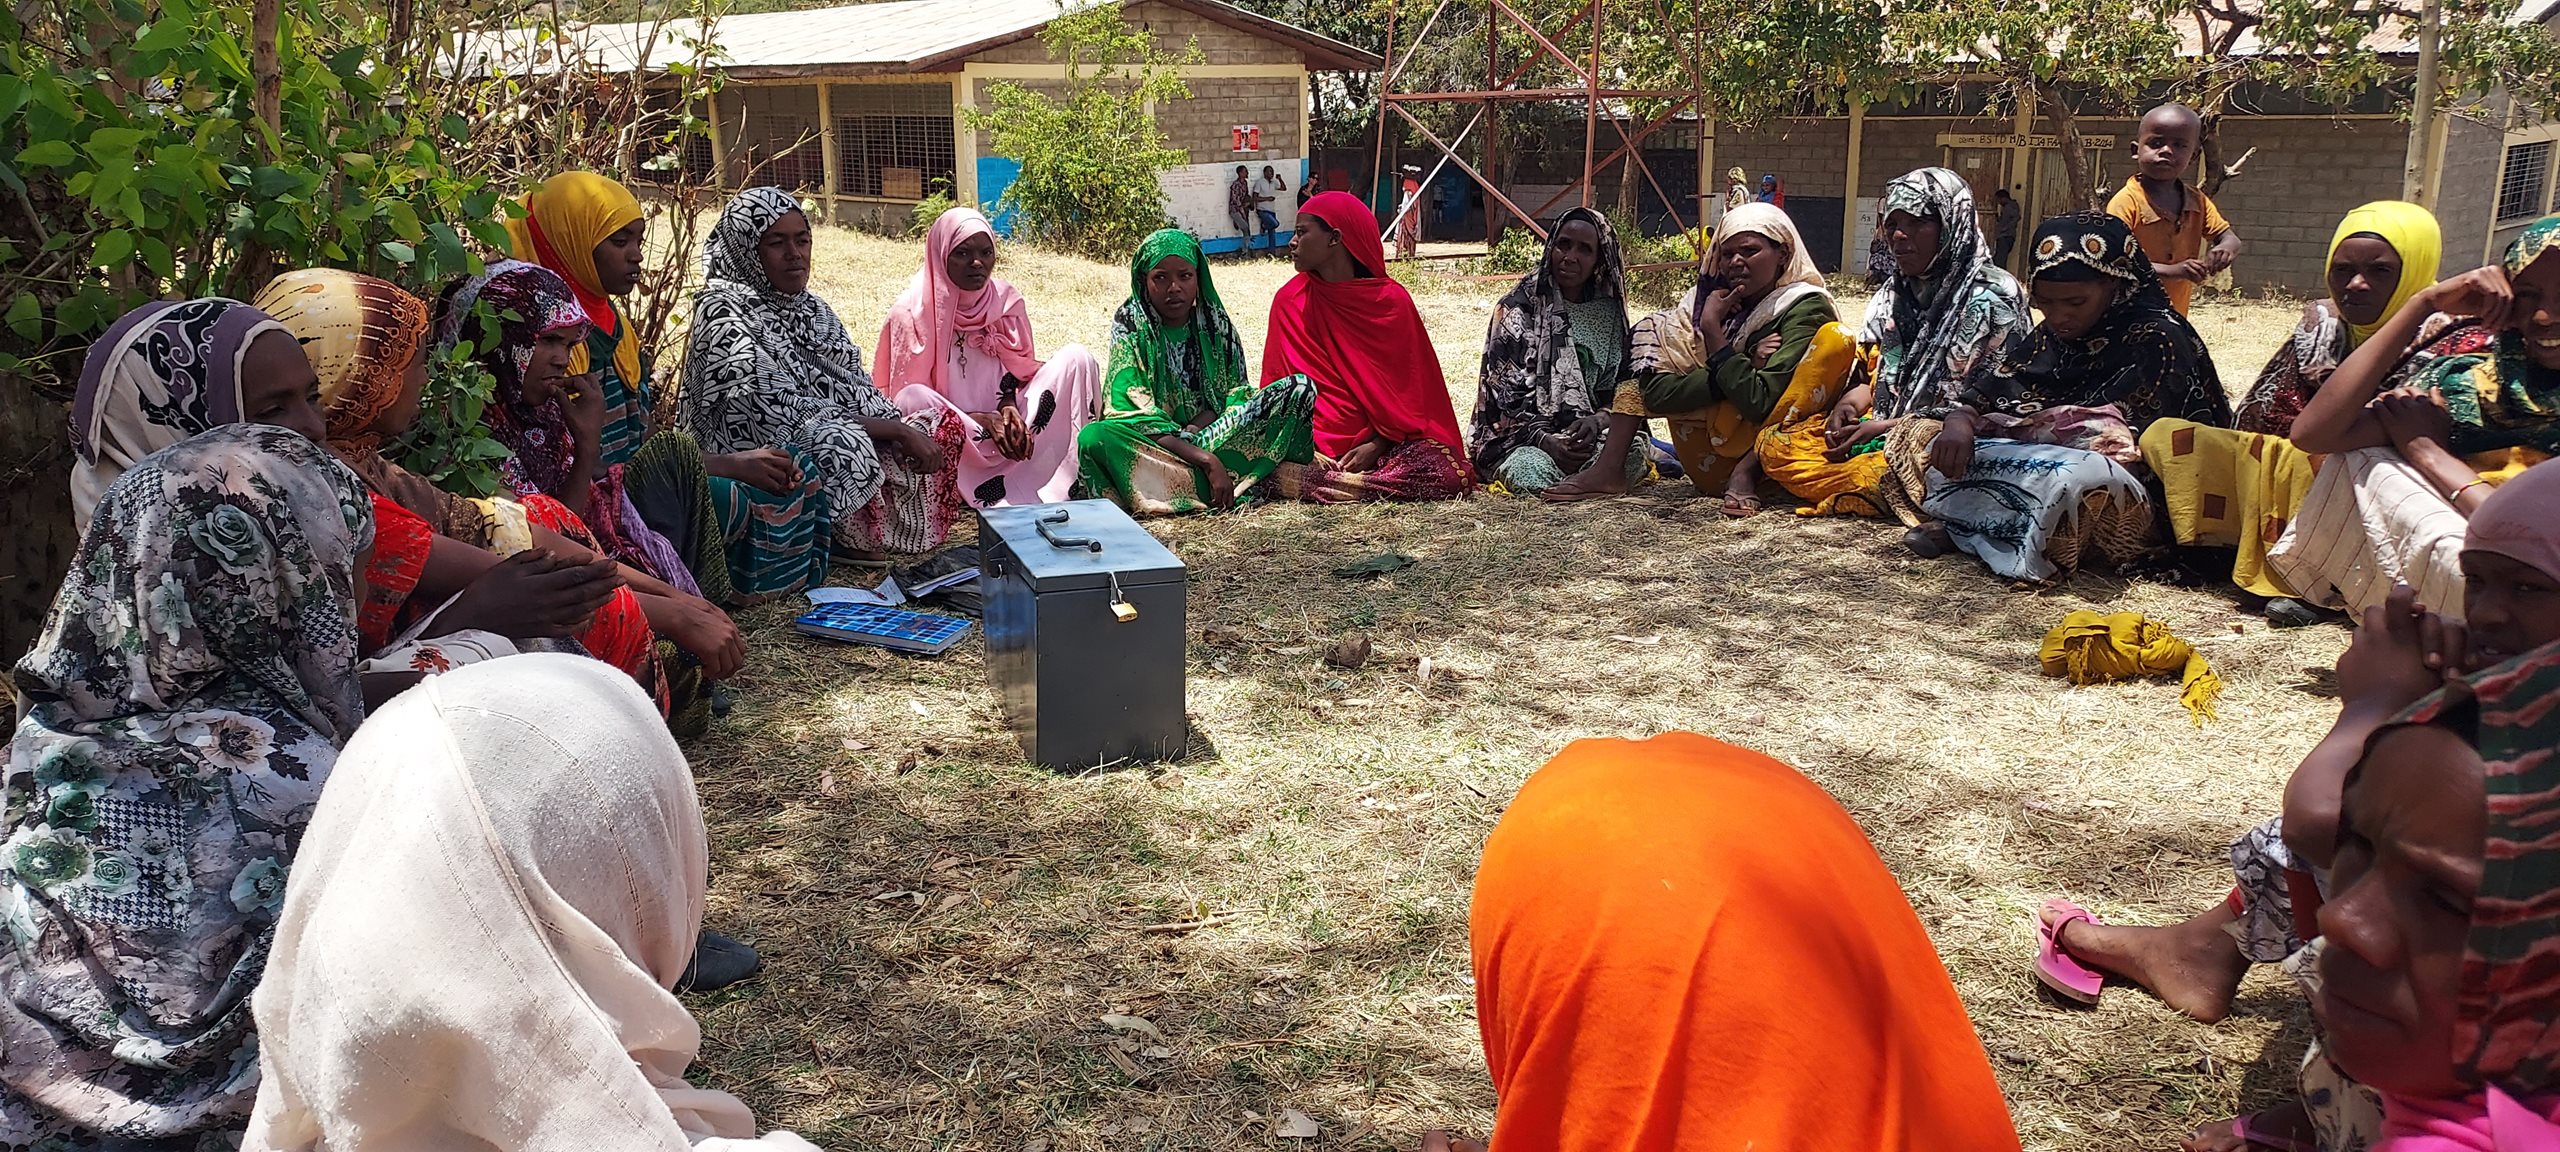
[[2230, 489], [1710, 442]]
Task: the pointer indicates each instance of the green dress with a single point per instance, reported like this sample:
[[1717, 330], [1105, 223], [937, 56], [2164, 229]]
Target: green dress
[[1187, 382]]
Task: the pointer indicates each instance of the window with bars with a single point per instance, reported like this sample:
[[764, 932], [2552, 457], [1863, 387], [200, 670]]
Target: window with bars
[[2520, 193], [893, 140]]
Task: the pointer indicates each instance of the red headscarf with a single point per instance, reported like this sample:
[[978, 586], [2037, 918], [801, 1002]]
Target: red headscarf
[[1682, 944], [1363, 344]]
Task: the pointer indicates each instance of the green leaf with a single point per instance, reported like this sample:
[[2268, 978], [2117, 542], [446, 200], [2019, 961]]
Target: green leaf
[[156, 256], [166, 35], [397, 252], [113, 249], [404, 221], [47, 154], [269, 182], [26, 316]]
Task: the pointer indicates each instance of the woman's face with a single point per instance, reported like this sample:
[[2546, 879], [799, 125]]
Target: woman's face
[[1914, 240], [783, 250], [2072, 307], [278, 387], [2363, 273], [396, 420], [2537, 312], [1749, 261], [549, 368], [1173, 290], [2509, 607], [972, 262], [2411, 832], [1573, 258], [1314, 245], [618, 259]]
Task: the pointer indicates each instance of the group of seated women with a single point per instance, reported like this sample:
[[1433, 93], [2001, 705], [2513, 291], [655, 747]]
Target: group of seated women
[[289, 684]]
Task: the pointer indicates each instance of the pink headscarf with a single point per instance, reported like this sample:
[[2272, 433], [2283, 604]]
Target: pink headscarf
[[916, 341], [2521, 520]]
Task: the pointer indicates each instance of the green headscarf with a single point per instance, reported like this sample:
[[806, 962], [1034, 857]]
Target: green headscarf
[[2502, 399], [1154, 375]]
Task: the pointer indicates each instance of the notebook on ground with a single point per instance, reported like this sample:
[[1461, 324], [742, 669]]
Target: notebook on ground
[[897, 628]]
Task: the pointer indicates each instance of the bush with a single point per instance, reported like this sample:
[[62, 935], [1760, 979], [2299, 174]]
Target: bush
[[931, 209], [1091, 157]]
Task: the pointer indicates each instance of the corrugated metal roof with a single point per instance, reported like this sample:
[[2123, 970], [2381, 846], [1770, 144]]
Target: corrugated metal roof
[[895, 36]]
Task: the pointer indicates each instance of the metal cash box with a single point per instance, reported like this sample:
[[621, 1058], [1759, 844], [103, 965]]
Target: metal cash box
[[1085, 633]]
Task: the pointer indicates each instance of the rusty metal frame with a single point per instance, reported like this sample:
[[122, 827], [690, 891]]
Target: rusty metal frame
[[1501, 88]]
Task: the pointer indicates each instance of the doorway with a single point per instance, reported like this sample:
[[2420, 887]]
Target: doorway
[[1985, 171]]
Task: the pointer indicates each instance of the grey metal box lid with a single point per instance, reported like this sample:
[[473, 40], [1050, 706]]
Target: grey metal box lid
[[1127, 549]]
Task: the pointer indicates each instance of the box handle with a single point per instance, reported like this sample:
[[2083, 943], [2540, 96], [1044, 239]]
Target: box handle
[[1055, 540]]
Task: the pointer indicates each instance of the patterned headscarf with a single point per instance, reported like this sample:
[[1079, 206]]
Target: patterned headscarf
[[563, 222], [181, 713], [528, 300], [2142, 357], [166, 371], [1531, 381], [752, 348], [1155, 379], [2502, 399], [360, 332], [2505, 1037], [1932, 326]]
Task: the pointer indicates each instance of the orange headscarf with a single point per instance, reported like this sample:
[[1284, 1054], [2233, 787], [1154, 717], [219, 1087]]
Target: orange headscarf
[[1680, 944]]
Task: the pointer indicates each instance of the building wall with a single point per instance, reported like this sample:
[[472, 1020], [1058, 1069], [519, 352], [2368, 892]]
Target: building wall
[[2306, 176], [1172, 28], [2467, 194], [1203, 125]]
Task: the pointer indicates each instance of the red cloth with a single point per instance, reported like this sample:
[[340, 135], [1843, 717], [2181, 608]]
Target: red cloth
[[401, 541], [1363, 344], [620, 634]]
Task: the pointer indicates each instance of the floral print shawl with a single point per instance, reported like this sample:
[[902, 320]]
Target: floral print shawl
[[2500, 398], [1931, 326], [1531, 383], [178, 718]]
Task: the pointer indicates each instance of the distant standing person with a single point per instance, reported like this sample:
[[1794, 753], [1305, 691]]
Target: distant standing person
[[1737, 188], [1309, 187], [1267, 192], [2011, 216], [1240, 205], [2174, 220], [1409, 215]]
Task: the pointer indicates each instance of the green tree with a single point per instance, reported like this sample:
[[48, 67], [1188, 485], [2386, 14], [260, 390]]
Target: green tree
[[1091, 154]]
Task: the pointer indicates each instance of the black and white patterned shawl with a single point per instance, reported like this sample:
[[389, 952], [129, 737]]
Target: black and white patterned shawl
[[763, 367]]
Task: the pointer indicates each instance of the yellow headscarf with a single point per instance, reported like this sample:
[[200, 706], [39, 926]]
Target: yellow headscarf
[[2412, 232], [563, 222]]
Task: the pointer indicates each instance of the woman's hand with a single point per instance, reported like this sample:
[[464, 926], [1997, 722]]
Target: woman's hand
[[706, 632], [919, 447], [534, 595], [1718, 305], [1855, 434], [1365, 457], [2412, 415], [2483, 294], [582, 406], [1952, 452], [770, 469], [2400, 653], [1012, 436], [1222, 487]]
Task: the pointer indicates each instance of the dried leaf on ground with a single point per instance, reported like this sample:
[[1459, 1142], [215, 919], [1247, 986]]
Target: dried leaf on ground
[[1296, 1125]]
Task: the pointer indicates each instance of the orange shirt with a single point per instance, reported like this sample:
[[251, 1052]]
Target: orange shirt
[[2169, 241]]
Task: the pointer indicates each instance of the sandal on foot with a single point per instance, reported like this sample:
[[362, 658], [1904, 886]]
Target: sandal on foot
[[2252, 1135], [2055, 968], [1737, 506], [1925, 544]]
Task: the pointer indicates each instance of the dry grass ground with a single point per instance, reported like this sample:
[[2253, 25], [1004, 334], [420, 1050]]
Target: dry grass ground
[[946, 926]]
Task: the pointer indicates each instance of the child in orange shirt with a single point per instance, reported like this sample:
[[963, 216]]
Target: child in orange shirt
[[2172, 218]]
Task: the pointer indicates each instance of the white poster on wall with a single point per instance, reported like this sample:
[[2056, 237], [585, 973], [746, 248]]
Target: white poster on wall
[[1195, 195]]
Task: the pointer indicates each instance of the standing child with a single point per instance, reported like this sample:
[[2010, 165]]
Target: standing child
[[2173, 219]]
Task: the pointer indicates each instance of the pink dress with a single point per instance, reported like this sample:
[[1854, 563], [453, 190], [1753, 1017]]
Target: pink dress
[[945, 349]]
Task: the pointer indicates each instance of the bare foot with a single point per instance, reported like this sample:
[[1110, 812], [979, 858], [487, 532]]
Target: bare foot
[[2194, 967], [1588, 484], [2285, 1126]]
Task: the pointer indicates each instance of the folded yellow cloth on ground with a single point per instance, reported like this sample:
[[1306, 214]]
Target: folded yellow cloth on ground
[[2088, 648]]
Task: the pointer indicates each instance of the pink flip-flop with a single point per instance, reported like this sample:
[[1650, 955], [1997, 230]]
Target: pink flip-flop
[[2055, 967]]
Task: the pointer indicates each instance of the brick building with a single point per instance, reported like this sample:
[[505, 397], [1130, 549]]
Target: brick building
[[858, 107]]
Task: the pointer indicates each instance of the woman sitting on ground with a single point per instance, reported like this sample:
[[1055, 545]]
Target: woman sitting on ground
[[764, 531], [1928, 329], [966, 337], [770, 363], [1553, 360], [1385, 429], [366, 341], [1715, 366], [177, 720], [548, 422], [2238, 488], [2030, 463], [1181, 429], [541, 837], [2402, 652], [1667, 931], [2406, 467]]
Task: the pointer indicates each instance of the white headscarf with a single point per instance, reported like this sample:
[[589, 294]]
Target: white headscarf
[[1667, 341], [503, 881]]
